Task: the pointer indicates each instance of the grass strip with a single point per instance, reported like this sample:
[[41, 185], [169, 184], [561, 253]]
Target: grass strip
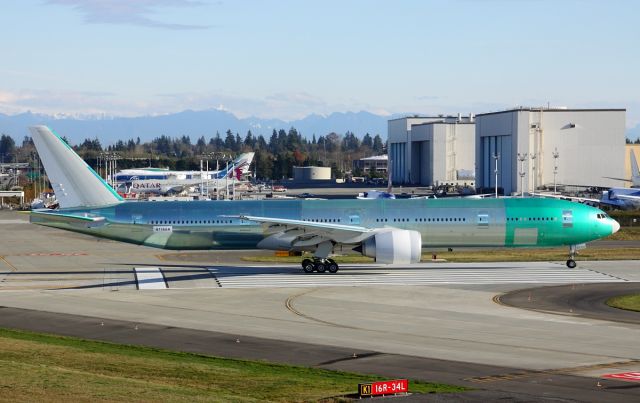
[[627, 302], [43, 367], [626, 234]]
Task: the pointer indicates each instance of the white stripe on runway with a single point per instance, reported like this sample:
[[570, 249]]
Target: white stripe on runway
[[350, 276], [150, 278]]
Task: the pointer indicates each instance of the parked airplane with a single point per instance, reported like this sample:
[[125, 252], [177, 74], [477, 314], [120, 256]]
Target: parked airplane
[[635, 172], [625, 198], [620, 198], [375, 194], [380, 194], [389, 230], [162, 181]]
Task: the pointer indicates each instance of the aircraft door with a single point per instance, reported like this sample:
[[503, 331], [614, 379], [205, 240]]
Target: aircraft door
[[567, 218], [483, 220]]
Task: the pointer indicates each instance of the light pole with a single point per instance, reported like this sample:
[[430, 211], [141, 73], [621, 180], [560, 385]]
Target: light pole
[[522, 158], [496, 157], [533, 170], [555, 154]]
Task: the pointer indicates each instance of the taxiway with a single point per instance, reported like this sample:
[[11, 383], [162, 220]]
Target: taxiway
[[436, 322]]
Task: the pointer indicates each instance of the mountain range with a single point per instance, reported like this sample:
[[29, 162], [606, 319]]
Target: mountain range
[[192, 123], [199, 123]]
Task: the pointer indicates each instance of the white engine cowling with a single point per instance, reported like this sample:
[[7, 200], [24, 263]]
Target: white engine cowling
[[397, 246]]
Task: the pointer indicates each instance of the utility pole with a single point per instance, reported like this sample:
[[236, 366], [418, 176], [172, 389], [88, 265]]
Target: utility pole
[[226, 183], [496, 157], [556, 155], [533, 169], [522, 158]]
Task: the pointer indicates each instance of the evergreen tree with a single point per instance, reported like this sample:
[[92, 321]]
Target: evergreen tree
[[216, 142], [377, 145], [367, 141], [249, 140], [201, 145], [230, 141], [238, 143], [7, 148], [261, 143], [350, 142]]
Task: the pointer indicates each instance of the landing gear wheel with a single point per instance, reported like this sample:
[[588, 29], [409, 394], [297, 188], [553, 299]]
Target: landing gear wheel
[[308, 266], [321, 267], [333, 266], [573, 250]]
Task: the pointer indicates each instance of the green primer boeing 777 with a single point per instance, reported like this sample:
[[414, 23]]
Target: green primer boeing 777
[[389, 230]]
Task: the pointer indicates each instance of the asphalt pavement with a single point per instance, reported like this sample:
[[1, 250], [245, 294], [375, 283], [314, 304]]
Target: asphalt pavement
[[490, 383], [584, 300]]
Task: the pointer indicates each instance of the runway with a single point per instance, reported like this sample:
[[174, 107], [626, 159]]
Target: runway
[[435, 322]]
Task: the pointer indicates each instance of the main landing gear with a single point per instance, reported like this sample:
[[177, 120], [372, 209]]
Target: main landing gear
[[319, 265], [571, 263]]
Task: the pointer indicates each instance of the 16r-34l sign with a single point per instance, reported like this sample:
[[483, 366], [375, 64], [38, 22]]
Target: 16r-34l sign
[[383, 388]]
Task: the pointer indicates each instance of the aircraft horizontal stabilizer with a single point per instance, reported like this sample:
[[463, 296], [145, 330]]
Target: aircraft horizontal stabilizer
[[45, 217]]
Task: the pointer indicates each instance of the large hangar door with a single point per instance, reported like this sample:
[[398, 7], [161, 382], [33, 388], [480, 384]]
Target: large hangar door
[[416, 162], [426, 171], [491, 146]]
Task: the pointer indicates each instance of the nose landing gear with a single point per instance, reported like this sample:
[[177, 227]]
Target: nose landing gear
[[320, 265]]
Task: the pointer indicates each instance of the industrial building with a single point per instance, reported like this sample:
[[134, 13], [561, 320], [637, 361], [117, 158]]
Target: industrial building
[[432, 150], [377, 163], [537, 147]]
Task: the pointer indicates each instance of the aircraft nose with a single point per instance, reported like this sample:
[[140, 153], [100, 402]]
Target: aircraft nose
[[615, 226]]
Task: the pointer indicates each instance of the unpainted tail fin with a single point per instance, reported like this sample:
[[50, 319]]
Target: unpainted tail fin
[[635, 175], [73, 181]]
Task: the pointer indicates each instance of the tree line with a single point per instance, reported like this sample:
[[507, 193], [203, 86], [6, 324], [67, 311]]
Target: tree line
[[274, 159]]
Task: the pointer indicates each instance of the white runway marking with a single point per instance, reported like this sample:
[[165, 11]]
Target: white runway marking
[[13, 222], [356, 275], [150, 278]]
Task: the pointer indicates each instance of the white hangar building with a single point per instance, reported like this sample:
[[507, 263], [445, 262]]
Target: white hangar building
[[582, 147], [432, 150]]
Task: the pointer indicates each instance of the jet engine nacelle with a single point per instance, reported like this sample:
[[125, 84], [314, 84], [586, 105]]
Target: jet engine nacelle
[[396, 246]]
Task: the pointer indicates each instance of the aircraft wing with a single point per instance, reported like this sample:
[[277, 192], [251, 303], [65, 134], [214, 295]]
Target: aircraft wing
[[619, 179], [309, 233], [571, 198], [627, 197]]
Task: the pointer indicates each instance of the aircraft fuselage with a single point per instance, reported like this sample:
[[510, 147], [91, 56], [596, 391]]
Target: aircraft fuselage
[[453, 222]]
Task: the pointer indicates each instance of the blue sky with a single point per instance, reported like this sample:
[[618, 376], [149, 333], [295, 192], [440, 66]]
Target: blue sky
[[287, 59]]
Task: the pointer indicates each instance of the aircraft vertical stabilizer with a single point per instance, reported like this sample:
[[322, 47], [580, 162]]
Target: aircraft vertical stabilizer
[[73, 181], [635, 175]]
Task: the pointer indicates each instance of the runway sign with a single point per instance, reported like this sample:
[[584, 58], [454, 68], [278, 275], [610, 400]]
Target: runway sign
[[624, 376], [383, 388]]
